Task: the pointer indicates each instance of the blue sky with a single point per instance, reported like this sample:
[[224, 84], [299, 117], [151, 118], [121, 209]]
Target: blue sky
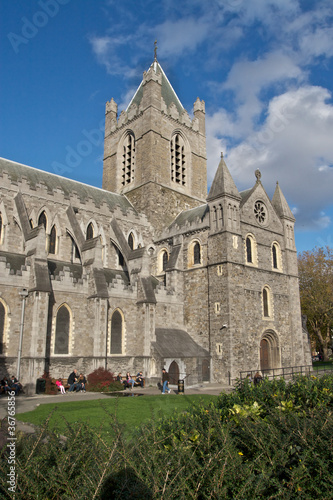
[[263, 67]]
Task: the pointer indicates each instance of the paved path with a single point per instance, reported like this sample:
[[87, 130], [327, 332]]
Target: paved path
[[29, 403]]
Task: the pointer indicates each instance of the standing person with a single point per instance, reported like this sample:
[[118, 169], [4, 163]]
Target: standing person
[[165, 382], [72, 380]]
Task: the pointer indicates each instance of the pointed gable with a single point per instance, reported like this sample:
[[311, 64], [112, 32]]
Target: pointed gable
[[280, 204], [257, 208], [223, 183]]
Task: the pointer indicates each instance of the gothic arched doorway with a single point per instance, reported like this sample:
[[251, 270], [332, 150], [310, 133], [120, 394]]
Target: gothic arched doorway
[[174, 373], [269, 351]]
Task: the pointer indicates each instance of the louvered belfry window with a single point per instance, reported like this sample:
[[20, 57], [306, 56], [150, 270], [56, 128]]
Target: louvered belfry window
[[178, 160], [128, 162]]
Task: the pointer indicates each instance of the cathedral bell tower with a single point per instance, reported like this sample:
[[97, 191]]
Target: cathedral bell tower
[[154, 153]]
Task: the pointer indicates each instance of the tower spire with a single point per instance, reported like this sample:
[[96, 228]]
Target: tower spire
[[155, 50]]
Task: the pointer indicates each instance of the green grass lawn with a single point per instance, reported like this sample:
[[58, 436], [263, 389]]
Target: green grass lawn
[[99, 414]]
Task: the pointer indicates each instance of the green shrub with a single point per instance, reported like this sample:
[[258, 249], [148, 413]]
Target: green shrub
[[101, 380], [273, 441]]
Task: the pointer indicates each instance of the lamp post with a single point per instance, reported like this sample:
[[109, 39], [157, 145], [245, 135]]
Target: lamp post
[[24, 294]]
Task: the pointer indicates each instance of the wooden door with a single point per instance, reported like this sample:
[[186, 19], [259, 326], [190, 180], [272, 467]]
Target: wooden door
[[173, 373], [264, 355]]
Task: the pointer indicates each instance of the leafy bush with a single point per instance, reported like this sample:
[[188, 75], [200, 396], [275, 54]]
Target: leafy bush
[[101, 380], [50, 388], [271, 441]]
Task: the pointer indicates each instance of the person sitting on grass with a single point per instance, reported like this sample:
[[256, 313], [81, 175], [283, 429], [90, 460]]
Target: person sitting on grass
[[140, 380]]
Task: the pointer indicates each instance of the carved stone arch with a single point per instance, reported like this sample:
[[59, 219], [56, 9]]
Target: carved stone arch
[[269, 351], [4, 326], [62, 330], [116, 333]]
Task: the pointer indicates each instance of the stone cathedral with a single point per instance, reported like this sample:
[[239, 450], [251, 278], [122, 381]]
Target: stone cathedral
[[147, 272]]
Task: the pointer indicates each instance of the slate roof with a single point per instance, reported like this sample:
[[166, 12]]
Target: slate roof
[[281, 205], [174, 343], [168, 93], [191, 215], [223, 183], [17, 171]]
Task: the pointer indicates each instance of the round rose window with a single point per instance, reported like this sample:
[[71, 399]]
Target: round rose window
[[260, 212]]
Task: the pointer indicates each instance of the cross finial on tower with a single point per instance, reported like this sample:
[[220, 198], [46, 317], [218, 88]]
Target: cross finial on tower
[[155, 50]]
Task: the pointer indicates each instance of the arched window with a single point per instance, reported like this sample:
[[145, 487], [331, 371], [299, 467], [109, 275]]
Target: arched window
[[90, 231], [131, 241], [53, 240], [61, 341], [276, 257], [194, 257], [220, 216], [178, 160], [165, 259], [42, 220], [196, 253], [116, 333], [2, 327], [128, 160], [266, 302], [249, 250]]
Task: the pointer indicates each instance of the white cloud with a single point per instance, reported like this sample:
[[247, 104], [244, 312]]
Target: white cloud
[[292, 145], [177, 37]]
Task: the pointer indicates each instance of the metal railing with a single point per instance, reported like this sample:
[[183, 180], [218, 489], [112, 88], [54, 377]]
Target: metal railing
[[287, 372]]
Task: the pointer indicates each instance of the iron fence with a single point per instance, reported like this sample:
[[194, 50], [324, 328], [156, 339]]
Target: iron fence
[[287, 372]]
